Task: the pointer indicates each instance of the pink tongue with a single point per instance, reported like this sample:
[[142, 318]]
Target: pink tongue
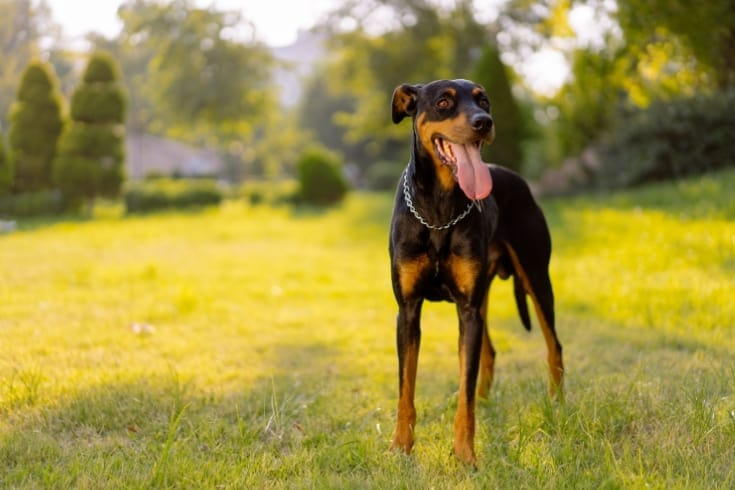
[[472, 173]]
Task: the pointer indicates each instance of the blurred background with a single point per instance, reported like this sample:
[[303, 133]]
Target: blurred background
[[586, 93]]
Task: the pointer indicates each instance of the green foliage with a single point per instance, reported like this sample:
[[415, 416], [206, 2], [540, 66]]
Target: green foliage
[[670, 140], [643, 52], [31, 204], [36, 83], [320, 177], [6, 169], [91, 151], [320, 102], [100, 99], [77, 179], [94, 141], [36, 124], [99, 103], [653, 22], [587, 104], [198, 74], [509, 131], [101, 68], [158, 194], [23, 24], [425, 43], [193, 73]]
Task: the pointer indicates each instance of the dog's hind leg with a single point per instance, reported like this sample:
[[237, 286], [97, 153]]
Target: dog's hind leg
[[543, 300], [537, 284]]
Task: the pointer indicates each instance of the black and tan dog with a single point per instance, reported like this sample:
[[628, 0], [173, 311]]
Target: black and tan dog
[[457, 223]]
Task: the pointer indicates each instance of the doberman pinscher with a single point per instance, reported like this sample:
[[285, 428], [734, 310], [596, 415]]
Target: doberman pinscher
[[457, 223]]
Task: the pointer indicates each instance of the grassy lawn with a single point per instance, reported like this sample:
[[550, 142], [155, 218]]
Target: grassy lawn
[[253, 347]]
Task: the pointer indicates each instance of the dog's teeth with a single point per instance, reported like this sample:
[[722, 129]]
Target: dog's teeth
[[448, 150]]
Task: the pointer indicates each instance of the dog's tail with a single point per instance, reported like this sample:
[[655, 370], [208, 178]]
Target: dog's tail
[[520, 294]]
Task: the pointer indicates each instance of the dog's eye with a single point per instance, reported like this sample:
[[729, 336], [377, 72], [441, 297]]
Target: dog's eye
[[484, 103], [444, 103]]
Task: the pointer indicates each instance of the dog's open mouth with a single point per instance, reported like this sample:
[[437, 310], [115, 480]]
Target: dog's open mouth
[[472, 175]]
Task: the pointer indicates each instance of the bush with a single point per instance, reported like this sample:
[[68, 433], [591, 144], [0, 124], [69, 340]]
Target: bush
[[76, 179], [92, 149], [40, 203], [670, 140], [320, 177], [102, 68], [268, 192], [99, 104], [35, 126], [153, 195]]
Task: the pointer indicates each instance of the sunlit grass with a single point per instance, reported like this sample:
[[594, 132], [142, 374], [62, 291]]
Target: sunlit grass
[[667, 263], [253, 347]]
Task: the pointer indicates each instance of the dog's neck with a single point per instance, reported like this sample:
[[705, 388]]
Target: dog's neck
[[426, 189]]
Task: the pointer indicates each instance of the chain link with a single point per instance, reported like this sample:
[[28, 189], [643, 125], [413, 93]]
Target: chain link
[[409, 203]]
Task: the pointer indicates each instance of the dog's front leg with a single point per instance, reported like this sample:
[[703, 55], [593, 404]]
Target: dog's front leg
[[408, 339], [470, 344]]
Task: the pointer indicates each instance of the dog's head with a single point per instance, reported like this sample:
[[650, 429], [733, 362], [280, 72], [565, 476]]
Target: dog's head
[[452, 121]]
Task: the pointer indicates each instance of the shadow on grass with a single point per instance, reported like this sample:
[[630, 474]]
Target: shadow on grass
[[315, 419], [164, 427]]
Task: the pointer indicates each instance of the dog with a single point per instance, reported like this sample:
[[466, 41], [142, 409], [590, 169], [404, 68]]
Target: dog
[[457, 223]]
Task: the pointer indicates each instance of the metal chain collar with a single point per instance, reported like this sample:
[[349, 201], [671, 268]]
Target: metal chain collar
[[409, 203]]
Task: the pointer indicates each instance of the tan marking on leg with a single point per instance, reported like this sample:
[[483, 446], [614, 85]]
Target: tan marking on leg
[[409, 272], [464, 420], [406, 419], [554, 358], [465, 273]]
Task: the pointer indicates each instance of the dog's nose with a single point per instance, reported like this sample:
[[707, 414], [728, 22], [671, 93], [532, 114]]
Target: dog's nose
[[481, 122]]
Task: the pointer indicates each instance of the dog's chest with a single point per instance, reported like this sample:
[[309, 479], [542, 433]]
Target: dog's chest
[[452, 268]]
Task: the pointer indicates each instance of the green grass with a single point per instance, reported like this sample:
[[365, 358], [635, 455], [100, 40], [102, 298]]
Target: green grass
[[271, 360]]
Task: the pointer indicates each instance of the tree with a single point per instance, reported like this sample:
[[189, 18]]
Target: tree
[[91, 150], [421, 42], [23, 24], [190, 73], [6, 169], [36, 124], [649, 51], [200, 76], [509, 132], [707, 32], [319, 103]]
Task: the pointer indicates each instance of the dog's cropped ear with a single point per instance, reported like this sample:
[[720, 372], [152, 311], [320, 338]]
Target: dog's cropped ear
[[404, 101]]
